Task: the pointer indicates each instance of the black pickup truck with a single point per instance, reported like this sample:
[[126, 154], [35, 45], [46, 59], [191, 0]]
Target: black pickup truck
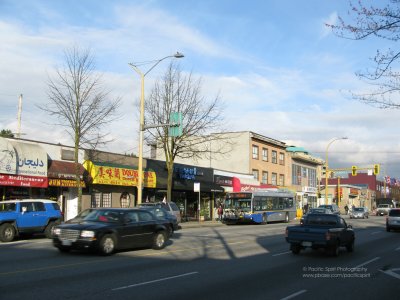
[[326, 231]]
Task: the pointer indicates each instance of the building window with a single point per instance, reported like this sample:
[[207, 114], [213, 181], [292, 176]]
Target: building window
[[255, 152], [281, 158], [101, 200], [274, 157], [281, 179], [255, 173], [274, 179], [265, 154], [264, 178]]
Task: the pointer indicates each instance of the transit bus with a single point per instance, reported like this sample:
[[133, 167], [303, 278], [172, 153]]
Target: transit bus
[[259, 207]]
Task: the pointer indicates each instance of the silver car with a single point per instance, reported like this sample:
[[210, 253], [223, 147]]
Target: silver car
[[393, 219], [359, 212]]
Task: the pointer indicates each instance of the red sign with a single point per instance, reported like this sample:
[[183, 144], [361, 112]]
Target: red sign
[[24, 181]]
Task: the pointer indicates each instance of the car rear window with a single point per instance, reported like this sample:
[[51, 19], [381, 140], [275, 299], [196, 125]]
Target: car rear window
[[394, 213], [174, 206], [321, 220]]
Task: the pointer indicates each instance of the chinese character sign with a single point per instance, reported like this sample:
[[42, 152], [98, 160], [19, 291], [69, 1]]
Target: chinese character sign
[[104, 174]]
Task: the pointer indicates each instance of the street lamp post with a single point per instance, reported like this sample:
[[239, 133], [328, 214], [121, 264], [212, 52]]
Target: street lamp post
[[142, 126], [326, 166]]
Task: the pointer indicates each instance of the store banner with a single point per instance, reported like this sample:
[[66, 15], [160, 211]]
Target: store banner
[[111, 175], [20, 158], [23, 181]]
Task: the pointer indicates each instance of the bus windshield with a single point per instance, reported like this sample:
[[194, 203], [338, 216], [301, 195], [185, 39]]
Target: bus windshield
[[238, 204]]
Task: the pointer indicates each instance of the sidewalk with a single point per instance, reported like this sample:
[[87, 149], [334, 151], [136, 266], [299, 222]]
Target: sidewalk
[[195, 224]]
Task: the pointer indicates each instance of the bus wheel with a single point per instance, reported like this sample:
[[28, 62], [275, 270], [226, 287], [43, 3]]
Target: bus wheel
[[287, 218], [264, 219]]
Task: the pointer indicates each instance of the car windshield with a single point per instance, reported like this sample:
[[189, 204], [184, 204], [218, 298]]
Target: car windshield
[[359, 209], [106, 216]]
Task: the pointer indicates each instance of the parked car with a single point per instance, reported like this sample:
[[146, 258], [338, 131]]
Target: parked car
[[28, 216], [359, 212], [393, 219], [315, 211], [383, 209], [328, 231], [162, 214], [333, 207], [170, 207], [107, 230]]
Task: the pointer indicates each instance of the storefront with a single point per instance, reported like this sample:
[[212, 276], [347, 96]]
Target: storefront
[[114, 185], [190, 185], [63, 186]]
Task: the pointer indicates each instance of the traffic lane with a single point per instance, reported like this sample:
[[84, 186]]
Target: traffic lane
[[262, 276], [373, 273], [141, 266]]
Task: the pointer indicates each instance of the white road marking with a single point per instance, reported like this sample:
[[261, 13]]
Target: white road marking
[[376, 232], [367, 262], [153, 281], [392, 273], [283, 253], [294, 295]]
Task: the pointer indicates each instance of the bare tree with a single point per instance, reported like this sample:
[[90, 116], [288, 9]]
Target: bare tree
[[180, 93], [80, 103], [382, 23]]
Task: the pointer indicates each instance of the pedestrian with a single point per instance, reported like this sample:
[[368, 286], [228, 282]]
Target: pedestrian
[[346, 208], [220, 212]]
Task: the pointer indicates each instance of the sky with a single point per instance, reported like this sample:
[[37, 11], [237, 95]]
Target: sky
[[278, 69]]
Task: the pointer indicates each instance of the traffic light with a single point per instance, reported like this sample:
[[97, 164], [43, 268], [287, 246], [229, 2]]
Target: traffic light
[[354, 170], [376, 169]]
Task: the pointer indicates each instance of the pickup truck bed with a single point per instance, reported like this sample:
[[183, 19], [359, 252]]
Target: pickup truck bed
[[321, 231]]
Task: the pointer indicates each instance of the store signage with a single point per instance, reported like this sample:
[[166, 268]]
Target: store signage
[[103, 174], [24, 181], [65, 182], [187, 173], [224, 180]]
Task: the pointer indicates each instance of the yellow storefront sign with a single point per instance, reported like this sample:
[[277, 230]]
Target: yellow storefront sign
[[103, 174], [65, 182]]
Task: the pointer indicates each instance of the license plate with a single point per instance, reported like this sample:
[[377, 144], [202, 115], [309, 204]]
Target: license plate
[[306, 244], [66, 243]]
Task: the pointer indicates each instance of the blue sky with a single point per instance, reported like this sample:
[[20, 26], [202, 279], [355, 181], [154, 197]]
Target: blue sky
[[277, 67]]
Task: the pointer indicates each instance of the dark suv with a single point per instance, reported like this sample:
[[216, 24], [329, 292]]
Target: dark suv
[[28, 217]]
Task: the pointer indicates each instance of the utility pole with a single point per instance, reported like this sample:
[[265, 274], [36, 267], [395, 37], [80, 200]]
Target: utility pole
[[19, 116]]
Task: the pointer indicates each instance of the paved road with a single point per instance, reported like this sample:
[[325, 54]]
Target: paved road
[[208, 262]]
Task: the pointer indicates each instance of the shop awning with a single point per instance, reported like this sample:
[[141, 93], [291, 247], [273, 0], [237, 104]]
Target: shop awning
[[64, 169], [62, 174]]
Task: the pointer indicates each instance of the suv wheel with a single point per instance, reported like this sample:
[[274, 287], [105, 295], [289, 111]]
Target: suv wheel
[[7, 232], [49, 230]]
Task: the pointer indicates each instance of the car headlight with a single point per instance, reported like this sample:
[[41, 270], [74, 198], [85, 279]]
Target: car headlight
[[56, 231], [87, 234]]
